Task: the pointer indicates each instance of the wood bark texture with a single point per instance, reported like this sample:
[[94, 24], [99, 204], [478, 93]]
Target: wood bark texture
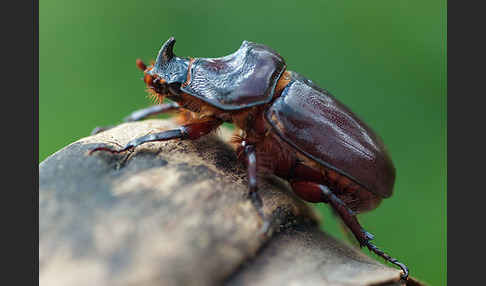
[[176, 213]]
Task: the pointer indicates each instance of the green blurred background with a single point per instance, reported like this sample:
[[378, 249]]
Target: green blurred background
[[384, 59]]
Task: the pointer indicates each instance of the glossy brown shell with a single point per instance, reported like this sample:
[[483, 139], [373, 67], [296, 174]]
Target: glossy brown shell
[[323, 129], [242, 79]]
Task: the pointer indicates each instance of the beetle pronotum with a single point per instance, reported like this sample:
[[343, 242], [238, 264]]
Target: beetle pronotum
[[288, 126]]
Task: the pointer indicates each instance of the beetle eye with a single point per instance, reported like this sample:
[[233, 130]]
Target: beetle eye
[[159, 86], [174, 88]]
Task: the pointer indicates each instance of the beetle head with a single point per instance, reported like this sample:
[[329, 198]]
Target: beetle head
[[168, 72]]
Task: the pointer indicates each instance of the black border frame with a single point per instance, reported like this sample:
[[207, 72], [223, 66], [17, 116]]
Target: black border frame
[[36, 140], [20, 86], [465, 77], [465, 146]]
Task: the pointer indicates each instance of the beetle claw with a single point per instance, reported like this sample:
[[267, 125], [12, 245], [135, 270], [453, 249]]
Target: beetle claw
[[111, 150], [376, 250]]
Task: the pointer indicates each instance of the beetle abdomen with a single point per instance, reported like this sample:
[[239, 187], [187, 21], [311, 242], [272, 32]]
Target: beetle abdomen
[[323, 129]]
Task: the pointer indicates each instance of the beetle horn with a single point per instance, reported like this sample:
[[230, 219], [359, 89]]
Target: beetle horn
[[166, 53]]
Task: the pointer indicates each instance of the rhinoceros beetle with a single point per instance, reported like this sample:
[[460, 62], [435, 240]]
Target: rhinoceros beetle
[[288, 126]]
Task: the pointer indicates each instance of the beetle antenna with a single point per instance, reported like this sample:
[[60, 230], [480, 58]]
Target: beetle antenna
[[141, 65]]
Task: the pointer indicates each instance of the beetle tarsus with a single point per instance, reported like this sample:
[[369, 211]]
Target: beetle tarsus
[[349, 218], [388, 258], [161, 136], [108, 149]]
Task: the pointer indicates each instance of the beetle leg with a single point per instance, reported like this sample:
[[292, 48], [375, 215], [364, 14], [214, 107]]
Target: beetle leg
[[253, 195], [152, 110], [189, 131], [99, 129], [314, 190], [364, 238], [142, 114], [345, 229]]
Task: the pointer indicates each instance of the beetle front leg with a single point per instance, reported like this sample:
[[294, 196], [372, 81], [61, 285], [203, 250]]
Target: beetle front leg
[[189, 131], [142, 114], [315, 192]]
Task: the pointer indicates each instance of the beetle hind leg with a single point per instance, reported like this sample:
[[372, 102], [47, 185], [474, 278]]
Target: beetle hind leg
[[253, 195], [314, 192]]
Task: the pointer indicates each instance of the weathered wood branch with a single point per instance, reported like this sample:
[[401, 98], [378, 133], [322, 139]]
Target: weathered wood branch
[[176, 213]]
